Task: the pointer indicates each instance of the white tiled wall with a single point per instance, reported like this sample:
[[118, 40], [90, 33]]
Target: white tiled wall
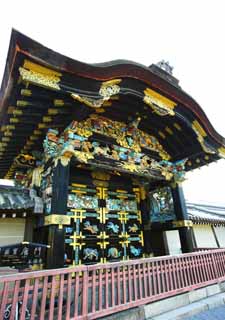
[[220, 234], [204, 236], [11, 230]]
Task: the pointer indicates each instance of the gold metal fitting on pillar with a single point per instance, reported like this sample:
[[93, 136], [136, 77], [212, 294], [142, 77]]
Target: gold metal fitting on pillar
[[182, 223], [57, 219]]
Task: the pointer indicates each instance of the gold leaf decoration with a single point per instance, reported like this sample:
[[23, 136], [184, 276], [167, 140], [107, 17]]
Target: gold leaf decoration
[[40, 79], [201, 134], [127, 136], [160, 104], [108, 89]]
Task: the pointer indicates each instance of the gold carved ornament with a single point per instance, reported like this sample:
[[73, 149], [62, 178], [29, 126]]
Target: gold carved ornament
[[65, 160], [130, 167], [201, 134], [108, 89], [182, 223], [159, 104], [100, 183], [67, 155], [221, 152], [121, 132], [100, 175], [40, 79], [37, 176], [25, 160]]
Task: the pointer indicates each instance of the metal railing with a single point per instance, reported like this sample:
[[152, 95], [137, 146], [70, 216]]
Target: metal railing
[[89, 292]]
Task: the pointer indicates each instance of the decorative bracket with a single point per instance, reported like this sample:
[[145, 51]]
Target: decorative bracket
[[40, 79], [107, 90], [160, 105], [201, 134]]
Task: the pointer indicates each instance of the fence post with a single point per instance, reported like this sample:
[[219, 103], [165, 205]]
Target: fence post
[[215, 267], [85, 293]]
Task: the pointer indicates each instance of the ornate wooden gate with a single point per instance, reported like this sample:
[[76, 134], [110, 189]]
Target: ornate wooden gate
[[106, 222]]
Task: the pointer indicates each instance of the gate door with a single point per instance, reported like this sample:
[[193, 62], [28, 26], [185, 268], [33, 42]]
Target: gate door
[[105, 225]]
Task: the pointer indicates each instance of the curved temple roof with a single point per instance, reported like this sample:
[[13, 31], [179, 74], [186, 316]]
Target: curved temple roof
[[43, 89], [203, 213]]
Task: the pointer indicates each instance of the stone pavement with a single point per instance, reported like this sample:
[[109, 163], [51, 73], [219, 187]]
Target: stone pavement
[[213, 314]]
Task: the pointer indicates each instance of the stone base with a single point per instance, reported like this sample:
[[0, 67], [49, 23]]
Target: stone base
[[177, 307]]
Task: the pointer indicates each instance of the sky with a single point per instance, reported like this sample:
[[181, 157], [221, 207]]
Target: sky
[[189, 34]]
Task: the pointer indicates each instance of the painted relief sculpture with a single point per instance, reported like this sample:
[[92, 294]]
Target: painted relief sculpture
[[90, 254], [93, 229], [77, 201], [134, 228], [113, 227], [161, 208], [113, 253], [127, 155], [135, 251], [127, 136], [121, 204]]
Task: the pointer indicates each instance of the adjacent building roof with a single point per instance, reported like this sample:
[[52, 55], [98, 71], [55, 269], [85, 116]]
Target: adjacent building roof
[[43, 89], [206, 213], [14, 199]]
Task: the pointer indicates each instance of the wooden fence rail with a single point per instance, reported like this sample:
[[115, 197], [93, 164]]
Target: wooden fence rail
[[89, 292]]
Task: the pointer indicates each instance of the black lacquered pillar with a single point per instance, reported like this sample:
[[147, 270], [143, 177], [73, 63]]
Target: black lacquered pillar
[[182, 223], [57, 219], [145, 209]]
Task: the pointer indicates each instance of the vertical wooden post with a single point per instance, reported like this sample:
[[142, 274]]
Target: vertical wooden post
[[55, 257], [60, 188], [185, 232], [145, 209], [85, 293], [55, 254]]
